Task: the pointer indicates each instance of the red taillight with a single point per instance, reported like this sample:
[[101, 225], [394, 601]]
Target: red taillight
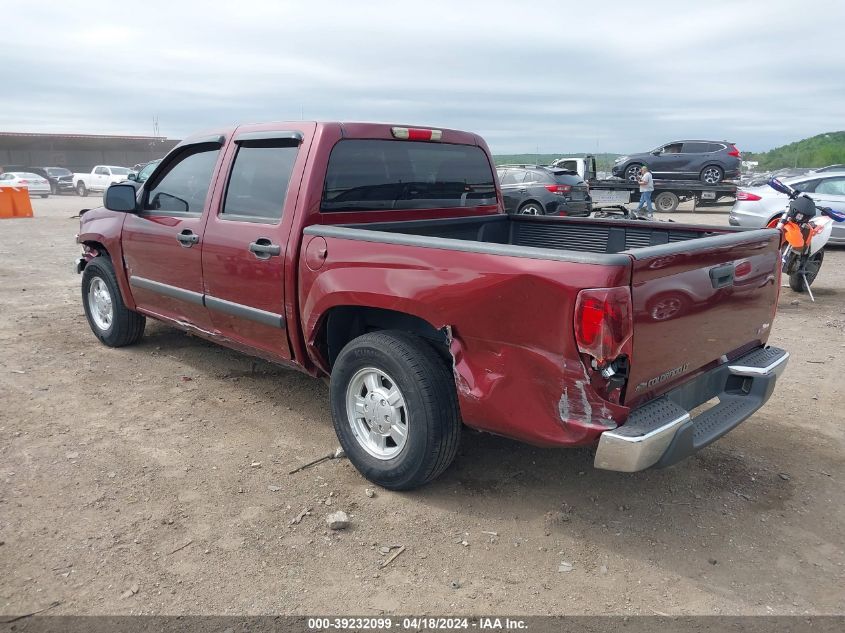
[[560, 189], [604, 322], [734, 152], [415, 134], [561, 213], [742, 269], [747, 195]]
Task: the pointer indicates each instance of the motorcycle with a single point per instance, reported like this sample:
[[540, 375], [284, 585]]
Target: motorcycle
[[806, 228]]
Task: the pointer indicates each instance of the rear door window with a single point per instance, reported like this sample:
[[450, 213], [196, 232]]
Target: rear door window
[[696, 148], [259, 182], [380, 175]]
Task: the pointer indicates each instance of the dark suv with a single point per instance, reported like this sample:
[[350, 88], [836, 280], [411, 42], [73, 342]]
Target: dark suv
[[708, 161], [538, 190]]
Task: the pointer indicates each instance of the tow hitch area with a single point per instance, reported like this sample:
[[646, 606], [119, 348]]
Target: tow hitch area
[[662, 432]]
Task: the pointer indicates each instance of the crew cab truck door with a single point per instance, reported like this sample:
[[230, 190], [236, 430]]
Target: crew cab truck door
[[697, 303], [163, 242], [100, 177], [246, 239]]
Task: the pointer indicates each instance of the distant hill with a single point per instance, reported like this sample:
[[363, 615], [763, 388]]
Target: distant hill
[[816, 151], [603, 161]]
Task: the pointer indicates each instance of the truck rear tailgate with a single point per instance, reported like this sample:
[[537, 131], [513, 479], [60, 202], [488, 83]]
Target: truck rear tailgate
[[698, 303]]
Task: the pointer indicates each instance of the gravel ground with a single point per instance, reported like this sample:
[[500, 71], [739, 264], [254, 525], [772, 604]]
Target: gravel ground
[[154, 479]]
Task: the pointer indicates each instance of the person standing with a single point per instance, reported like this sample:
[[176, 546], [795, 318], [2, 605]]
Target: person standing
[[646, 183]]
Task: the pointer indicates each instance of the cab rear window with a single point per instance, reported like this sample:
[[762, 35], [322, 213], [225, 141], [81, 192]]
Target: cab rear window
[[380, 175]]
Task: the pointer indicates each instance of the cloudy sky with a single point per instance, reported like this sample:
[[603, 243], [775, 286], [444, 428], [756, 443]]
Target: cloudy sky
[[528, 76]]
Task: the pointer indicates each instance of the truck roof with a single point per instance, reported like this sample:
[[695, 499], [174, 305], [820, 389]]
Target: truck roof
[[347, 129]]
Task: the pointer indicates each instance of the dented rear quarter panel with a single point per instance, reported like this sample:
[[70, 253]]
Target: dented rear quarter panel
[[509, 321]]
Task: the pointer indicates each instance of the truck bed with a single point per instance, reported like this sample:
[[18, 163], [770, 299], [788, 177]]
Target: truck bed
[[567, 239], [701, 295]]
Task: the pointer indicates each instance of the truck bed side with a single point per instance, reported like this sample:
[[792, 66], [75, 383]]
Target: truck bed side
[[506, 319]]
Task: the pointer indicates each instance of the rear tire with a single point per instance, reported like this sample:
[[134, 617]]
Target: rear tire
[[409, 388], [109, 318], [81, 189], [712, 175], [667, 202], [796, 281], [45, 195], [531, 208]]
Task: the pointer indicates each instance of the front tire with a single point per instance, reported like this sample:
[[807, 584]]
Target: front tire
[[81, 189], [667, 202], [632, 172], [109, 318], [394, 409]]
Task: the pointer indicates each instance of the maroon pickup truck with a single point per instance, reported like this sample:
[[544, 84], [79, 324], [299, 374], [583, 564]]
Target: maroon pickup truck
[[380, 256]]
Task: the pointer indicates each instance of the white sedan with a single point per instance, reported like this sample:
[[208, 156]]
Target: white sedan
[[755, 206], [37, 185]]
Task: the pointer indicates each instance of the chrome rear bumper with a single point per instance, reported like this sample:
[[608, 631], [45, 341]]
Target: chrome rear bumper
[[662, 432]]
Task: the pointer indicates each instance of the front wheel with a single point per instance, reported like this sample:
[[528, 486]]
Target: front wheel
[[666, 202], [810, 268], [394, 409], [632, 172], [81, 189], [109, 318]]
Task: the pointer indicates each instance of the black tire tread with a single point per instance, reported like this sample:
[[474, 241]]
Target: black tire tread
[[127, 326], [437, 386]]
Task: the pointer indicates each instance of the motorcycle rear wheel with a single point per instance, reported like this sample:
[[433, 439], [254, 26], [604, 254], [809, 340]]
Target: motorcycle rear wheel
[[810, 267]]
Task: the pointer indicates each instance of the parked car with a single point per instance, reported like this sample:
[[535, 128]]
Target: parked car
[[60, 179], [538, 190], [381, 256], [708, 161], [756, 206], [99, 179], [821, 170], [36, 185]]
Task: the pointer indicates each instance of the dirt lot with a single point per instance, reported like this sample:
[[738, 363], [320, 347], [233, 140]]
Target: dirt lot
[[153, 479]]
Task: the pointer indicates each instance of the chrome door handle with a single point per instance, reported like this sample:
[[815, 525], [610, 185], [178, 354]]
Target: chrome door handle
[[263, 248], [188, 238]]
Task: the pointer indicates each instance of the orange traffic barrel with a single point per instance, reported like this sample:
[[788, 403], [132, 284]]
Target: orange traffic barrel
[[14, 203]]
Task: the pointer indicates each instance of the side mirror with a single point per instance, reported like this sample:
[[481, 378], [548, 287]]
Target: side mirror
[[121, 197], [132, 176]]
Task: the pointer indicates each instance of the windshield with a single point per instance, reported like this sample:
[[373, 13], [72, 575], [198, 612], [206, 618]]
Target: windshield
[[120, 171], [58, 171]]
